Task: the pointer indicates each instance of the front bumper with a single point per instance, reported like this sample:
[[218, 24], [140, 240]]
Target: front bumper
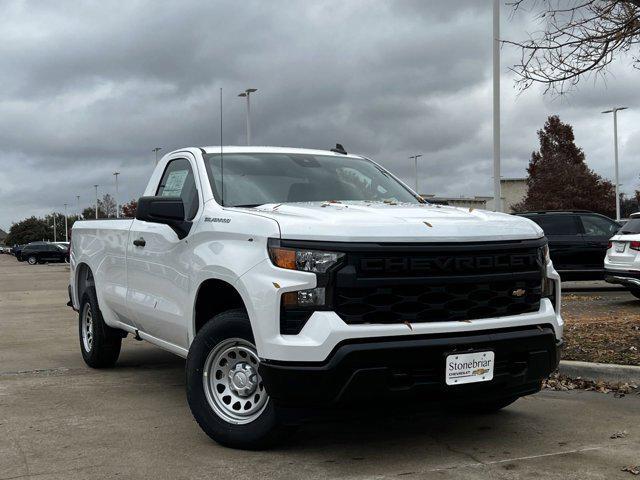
[[411, 369]]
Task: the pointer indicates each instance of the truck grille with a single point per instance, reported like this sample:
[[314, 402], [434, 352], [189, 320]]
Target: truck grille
[[437, 303], [435, 283]]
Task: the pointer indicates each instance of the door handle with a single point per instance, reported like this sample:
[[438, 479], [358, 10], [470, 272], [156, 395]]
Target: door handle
[[140, 242]]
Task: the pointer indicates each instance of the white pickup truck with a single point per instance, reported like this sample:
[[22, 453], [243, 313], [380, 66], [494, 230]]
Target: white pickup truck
[[296, 281]]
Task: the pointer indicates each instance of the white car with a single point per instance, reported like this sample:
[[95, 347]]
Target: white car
[[622, 263], [294, 280]]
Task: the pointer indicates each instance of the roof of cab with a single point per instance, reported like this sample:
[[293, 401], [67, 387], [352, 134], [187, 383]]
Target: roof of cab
[[261, 149]]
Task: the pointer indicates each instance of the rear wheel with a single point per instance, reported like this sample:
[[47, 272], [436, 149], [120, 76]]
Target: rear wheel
[[224, 388], [99, 343]]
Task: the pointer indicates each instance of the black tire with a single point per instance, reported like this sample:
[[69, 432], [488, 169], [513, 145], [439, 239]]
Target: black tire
[[104, 348], [635, 292], [260, 433], [32, 260]]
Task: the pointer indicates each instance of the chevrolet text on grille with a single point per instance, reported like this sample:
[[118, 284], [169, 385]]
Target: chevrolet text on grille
[[449, 263]]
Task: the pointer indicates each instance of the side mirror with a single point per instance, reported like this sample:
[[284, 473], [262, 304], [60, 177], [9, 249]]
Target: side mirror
[[165, 210]]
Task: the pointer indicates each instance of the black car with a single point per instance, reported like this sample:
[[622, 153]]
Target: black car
[[40, 252], [17, 249], [578, 241]]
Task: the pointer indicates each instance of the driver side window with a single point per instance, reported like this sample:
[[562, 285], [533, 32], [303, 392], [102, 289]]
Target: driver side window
[[178, 181]]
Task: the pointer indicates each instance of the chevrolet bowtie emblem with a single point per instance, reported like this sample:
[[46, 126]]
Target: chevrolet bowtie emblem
[[519, 292]]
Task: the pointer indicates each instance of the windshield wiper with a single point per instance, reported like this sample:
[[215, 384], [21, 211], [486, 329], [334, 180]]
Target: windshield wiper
[[249, 205]]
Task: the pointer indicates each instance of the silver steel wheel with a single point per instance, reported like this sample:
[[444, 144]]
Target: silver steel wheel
[[232, 384], [32, 260], [87, 327]]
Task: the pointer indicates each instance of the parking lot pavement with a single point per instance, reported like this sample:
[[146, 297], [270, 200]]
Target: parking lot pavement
[[60, 419], [592, 286]]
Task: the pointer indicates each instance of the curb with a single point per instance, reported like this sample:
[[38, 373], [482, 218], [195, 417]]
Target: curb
[[606, 372]]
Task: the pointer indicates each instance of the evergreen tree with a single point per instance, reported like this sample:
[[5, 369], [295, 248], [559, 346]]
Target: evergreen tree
[[559, 178], [30, 229]]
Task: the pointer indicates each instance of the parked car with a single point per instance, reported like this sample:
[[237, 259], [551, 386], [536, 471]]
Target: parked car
[[578, 241], [622, 262], [17, 250], [40, 252], [66, 246], [304, 279]]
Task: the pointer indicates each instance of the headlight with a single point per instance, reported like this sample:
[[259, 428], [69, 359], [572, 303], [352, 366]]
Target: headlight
[[316, 261]]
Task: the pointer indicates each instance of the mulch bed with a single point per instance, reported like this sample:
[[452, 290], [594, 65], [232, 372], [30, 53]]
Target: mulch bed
[[602, 329]]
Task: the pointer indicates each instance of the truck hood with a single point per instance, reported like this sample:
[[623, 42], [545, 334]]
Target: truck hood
[[391, 222]]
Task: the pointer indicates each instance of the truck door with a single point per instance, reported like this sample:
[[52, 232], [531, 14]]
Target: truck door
[[158, 263]]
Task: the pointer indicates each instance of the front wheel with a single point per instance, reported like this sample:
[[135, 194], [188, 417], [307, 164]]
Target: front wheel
[[32, 260], [224, 388]]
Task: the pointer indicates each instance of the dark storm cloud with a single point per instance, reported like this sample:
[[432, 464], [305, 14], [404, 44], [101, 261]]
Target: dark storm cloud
[[90, 87]]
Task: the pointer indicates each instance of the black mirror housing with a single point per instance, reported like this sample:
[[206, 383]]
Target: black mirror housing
[[166, 210]]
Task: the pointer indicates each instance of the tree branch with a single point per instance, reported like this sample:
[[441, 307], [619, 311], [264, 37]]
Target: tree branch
[[577, 41]]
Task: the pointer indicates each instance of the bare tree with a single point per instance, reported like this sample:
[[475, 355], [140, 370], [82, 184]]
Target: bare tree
[[107, 205], [580, 38]]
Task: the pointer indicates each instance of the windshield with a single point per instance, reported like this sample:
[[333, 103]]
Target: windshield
[[632, 226], [252, 179]]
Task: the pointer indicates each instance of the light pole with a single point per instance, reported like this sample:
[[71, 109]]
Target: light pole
[[157, 149], [115, 174], [55, 237], [415, 159], [247, 93], [66, 225], [96, 187], [497, 195], [615, 154], [78, 213]]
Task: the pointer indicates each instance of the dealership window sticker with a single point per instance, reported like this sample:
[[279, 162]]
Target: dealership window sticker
[[174, 184]]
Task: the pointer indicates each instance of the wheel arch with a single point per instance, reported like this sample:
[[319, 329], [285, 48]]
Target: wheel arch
[[214, 296], [84, 279]]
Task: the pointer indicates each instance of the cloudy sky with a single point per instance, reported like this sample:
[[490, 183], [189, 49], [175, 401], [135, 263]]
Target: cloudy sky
[[88, 88]]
